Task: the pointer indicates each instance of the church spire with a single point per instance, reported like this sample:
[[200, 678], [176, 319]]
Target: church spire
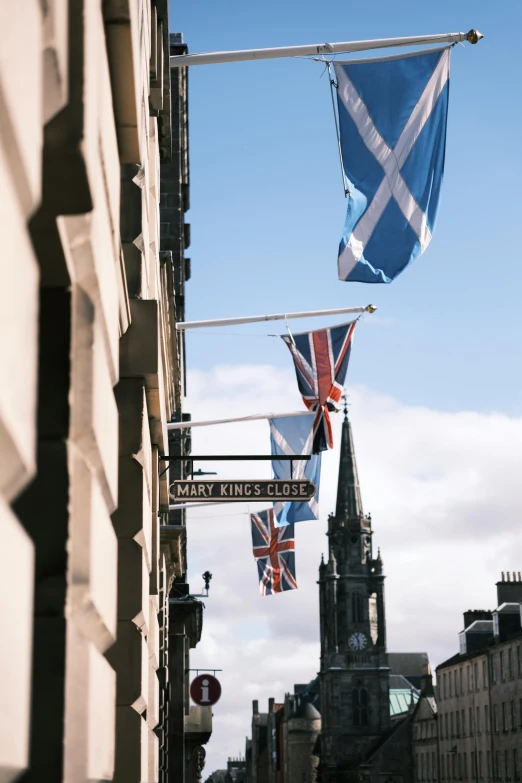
[[349, 502]]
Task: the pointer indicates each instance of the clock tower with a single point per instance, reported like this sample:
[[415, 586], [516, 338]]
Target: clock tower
[[354, 676]]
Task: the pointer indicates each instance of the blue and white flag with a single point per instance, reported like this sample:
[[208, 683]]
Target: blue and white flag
[[294, 435], [392, 119]]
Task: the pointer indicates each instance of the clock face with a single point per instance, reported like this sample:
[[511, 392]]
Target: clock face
[[357, 641]]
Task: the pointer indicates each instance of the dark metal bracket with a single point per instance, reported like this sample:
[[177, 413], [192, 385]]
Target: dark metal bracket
[[239, 457]]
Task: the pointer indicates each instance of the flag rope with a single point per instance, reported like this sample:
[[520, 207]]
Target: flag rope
[[332, 85]]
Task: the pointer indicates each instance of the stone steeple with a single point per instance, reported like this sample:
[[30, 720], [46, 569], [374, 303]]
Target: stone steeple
[[354, 664], [349, 502]]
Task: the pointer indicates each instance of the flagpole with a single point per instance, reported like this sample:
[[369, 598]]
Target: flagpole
[[211, 58], [252, 319], [183, 425]]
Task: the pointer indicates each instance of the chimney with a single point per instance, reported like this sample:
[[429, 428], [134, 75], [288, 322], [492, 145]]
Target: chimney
[[426, 684], [270, 706], [255, 707], [475, 614], [509, 592]]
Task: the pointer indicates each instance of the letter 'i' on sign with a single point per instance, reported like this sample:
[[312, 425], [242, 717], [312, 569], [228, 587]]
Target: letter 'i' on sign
[[205, 690]]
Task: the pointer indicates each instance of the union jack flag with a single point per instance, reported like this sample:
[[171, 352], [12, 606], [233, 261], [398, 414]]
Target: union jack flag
[[274, 551], [321, 361]]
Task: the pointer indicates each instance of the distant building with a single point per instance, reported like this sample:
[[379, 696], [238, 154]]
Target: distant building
[[479, 694], [234, 773]]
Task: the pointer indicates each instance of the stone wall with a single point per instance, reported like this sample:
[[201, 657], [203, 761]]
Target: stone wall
[[92, 371]]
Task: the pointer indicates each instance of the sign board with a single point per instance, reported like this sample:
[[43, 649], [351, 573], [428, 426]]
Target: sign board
[[241, 491], [205, 690]]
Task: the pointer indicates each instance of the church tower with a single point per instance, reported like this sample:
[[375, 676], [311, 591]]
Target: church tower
[[354, 675]]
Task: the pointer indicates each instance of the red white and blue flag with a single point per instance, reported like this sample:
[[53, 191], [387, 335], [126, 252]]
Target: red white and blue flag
[[274, 551], [321, 361]]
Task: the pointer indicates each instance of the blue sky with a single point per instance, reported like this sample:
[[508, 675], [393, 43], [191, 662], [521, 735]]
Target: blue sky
[[267, 211], [267, 207]]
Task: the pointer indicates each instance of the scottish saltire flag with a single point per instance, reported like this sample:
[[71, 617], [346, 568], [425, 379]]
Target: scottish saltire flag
[[294, 435], [392, 118], [274, 550], [321, 361]]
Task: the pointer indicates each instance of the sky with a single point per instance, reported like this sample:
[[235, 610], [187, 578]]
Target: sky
[[435, 376]]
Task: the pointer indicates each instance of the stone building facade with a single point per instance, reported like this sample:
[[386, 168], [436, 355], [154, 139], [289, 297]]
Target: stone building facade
[[425, 732], [282, 747], [93, 660], [479, 694]]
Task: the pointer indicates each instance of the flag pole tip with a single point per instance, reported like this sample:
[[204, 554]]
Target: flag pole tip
[[371, 308], [474, 36]]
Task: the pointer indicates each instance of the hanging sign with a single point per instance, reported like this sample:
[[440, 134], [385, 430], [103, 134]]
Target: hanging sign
[[205, 690], [241, 491]]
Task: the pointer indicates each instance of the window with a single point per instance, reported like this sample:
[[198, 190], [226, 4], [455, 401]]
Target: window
[[505, 718], [463, 723], [498, 765], [485, 673], [444, 686], [434, 766], [496, 722], [428, 766], [459, 766], [372, 614], [478, 724], [450, 680], [493, 668], [465, 765], [480, 765], [442, 770], [357, 608], [455, 683], [452, 730], [486, 719], [507, 764], [513, 717], [470, 683], [471, 722], [502, 667], [519, 661], [418, 766], [516, 768], [490, 767], [476, 672], [509, 664], [360, 706], [460, 681], [457, 724], [454, 765], [446, 723]]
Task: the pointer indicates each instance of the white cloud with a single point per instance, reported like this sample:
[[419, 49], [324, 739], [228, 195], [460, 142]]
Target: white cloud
[[444, 493]]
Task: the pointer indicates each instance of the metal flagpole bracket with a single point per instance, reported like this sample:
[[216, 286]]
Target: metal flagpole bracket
[[211, 58]]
